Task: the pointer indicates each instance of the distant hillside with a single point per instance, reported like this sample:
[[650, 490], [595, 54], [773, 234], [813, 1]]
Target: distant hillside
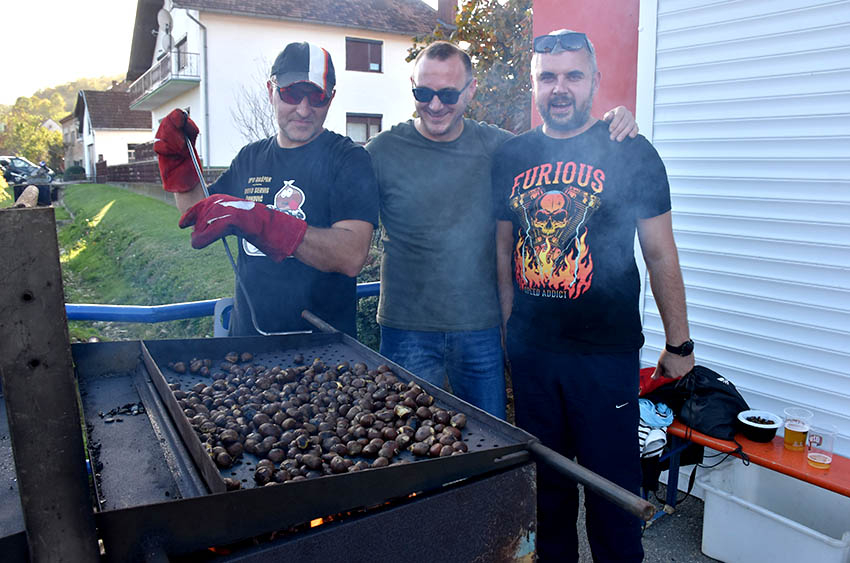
[[68, 91]]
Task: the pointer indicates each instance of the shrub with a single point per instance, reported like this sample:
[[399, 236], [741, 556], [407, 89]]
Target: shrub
[[74, 173]]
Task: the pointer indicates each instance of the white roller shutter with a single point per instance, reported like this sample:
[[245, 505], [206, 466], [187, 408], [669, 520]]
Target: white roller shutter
[[749, 103]]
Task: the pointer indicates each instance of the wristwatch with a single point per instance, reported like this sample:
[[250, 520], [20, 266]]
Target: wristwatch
[[684, 349]]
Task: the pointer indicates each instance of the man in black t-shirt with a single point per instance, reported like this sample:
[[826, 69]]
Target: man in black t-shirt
[[303, 203], [569, 201]]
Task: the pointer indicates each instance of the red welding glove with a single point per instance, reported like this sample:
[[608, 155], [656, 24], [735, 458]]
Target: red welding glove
[[276, 233], [175, 164]]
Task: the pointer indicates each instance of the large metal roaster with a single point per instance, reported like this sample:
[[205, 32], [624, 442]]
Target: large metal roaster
[[155, 492]]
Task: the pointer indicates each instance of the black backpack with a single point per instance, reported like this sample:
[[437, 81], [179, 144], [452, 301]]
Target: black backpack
[[704, 400]]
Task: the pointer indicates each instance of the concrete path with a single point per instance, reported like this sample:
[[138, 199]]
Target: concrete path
[[674, 538]]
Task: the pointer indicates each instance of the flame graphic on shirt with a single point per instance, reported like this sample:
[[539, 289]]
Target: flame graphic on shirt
[[546, 267]]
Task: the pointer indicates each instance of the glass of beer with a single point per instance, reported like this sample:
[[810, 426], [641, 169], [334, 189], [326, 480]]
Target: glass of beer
[[821, 441], [797, 423]]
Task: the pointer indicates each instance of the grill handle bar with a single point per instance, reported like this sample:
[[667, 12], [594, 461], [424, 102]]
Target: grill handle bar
[[615, 493], [317, 322]]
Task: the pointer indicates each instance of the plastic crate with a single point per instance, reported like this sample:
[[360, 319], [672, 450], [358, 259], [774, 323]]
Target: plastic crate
[[755, 514]]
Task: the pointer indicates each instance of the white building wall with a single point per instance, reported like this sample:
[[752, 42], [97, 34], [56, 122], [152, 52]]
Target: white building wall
[[89, 154], [190, 101], [112, 143], [241, 51], [749, 106]]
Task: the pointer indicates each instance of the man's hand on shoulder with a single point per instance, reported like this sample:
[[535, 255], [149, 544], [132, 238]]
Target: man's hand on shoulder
[[621, 123]]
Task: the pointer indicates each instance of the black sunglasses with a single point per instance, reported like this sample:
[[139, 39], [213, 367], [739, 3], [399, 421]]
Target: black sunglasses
[[573, 41], [448, 96], [294, 93]]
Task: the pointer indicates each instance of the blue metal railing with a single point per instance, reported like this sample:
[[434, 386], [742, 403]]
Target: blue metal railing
[[170, 312]]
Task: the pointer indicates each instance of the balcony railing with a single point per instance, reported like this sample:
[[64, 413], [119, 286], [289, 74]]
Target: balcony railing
[[176, 67]]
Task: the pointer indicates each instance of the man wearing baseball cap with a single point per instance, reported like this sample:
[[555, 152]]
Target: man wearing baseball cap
[[302, 203]]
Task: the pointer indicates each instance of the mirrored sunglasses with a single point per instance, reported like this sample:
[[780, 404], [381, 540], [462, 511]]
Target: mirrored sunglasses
[[447, 96], [568, 42], [294, 93]]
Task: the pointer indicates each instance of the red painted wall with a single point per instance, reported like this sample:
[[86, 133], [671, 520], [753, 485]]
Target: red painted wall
[[612, 26]]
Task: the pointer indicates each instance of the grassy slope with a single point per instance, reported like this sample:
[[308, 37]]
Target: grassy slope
[[123, 248]]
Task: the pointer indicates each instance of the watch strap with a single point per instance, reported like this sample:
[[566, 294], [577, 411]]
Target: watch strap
[[684, 349]]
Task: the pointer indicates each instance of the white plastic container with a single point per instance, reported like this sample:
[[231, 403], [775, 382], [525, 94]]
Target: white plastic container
[[755, 514]]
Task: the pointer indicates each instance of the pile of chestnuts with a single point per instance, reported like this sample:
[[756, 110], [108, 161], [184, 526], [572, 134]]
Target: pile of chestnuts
[[306, 421]]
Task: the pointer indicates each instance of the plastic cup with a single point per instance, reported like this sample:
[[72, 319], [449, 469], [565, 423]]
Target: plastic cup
[[820, 445], [797, 424]]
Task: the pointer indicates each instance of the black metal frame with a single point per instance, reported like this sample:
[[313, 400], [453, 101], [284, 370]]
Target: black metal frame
[[137, 517]]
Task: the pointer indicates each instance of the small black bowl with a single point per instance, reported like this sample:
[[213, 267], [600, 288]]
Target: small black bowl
[[756, 431]]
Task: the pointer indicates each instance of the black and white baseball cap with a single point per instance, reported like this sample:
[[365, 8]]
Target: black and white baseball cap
[[305, 62]]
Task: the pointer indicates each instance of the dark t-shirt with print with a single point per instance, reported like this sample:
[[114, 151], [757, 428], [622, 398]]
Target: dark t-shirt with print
[[325, 181], [574, 205]]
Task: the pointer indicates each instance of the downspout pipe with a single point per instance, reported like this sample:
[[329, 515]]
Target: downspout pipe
[[88, 157], [206, 96]]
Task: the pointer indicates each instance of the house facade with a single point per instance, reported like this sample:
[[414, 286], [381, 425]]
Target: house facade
[[108, 129], [212, 58], [747, 104], [72, 141]]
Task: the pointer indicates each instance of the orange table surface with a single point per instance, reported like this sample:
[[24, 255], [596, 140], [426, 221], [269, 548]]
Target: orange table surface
[[773, 455]]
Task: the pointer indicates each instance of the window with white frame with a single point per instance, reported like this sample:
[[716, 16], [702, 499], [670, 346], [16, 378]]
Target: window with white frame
[[360, 127]]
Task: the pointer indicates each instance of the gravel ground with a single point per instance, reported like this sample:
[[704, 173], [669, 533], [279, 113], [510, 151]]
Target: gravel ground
[[673, 538]]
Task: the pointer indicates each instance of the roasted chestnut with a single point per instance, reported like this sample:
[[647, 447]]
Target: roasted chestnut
[[263, 475], [381, 462], [423, 433], [419, 449], [458, 421], [311, 461]]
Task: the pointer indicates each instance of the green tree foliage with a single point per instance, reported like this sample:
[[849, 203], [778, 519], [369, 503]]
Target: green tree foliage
[[68, 91], [23, 133], [497, 36]]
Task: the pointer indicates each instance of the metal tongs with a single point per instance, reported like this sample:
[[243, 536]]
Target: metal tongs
[[230, 256]]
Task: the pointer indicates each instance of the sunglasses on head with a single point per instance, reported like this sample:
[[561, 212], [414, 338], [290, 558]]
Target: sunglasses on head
[[447, 96], [294, 93], [572, 41]]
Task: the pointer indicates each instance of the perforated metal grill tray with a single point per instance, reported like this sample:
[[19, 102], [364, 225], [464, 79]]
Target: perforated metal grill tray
[[488, 438]]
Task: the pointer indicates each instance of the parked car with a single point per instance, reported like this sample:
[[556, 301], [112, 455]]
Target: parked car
[[19, 170]]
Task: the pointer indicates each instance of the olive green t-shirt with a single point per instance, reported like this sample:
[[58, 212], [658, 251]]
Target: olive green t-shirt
[[438, 269]]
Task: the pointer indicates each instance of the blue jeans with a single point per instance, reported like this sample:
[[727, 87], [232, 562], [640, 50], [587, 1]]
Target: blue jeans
[[473, 361]]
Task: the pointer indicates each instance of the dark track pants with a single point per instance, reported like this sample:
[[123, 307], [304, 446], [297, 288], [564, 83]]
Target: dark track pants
[[584, 406]]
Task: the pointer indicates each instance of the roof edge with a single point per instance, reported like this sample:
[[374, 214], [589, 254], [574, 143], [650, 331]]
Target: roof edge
[[295, 20]]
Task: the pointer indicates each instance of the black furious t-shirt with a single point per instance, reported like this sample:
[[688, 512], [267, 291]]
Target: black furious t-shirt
[[330, 179], [574, 204]]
